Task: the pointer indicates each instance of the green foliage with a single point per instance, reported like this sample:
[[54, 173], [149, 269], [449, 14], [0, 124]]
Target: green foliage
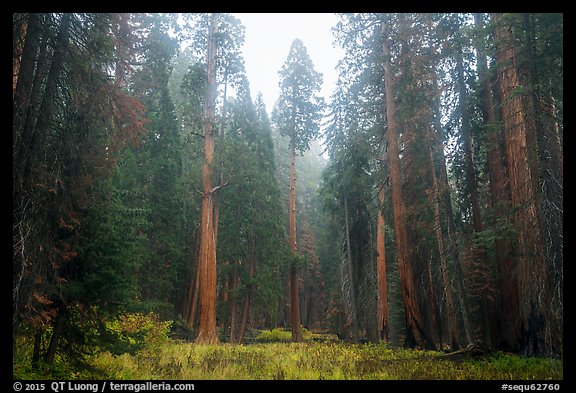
[[299, 109], [282, 335], [136, 331]]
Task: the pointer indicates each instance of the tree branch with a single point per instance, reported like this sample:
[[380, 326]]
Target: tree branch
[[219, 186]]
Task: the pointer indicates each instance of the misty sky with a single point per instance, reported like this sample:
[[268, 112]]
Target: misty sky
[[268, 40]]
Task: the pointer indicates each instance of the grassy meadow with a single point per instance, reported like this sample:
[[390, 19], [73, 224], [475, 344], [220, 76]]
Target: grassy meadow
[[314, 361], [272, 357]]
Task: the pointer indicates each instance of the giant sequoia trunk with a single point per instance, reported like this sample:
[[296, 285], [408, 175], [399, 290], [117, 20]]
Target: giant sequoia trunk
[[538, 328], [548, 165], [414, 322], [194, 284], [508, 333], [207, 260]]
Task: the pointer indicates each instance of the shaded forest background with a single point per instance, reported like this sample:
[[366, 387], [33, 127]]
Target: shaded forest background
[[429, 213]]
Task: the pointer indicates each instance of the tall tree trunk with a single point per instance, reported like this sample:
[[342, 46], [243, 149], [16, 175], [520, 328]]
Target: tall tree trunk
[[207, 261], [193, 289], [294, 298], [413, 316], [221, 172], [508, 332], [485, 318], [549, 181], [534, 292], [382, 308]]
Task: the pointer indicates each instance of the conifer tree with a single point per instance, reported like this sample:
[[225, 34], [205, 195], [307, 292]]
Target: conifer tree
[[297, 115]]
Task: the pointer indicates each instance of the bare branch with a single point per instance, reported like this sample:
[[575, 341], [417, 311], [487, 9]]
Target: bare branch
[[219, 186]]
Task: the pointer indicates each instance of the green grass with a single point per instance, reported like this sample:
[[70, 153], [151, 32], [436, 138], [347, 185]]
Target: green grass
[[285, 336], [313, 361], [144, 351]]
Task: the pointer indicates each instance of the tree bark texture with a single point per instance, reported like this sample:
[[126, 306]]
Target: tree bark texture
[[508, 332], [207, 260], [413, 316], [382, 310], [537, 334]]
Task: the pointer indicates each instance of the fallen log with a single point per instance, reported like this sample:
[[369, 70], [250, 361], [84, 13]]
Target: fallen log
[[475, 350]]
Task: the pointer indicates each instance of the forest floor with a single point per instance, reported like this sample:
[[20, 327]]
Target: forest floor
[[316, 361], [271, 358]]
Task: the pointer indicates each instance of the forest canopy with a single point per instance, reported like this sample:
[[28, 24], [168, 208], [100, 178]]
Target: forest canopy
[[421, 205]]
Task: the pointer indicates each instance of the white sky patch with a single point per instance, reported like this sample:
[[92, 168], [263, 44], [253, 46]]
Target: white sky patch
[[268, 40]]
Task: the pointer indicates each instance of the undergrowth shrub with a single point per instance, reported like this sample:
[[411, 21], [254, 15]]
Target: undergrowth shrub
[[282, 335], [137, 331]]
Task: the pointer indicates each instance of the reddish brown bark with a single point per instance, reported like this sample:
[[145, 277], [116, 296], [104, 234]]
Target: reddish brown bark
[[382, 310], [413, 316], [207, 260], [508, 333], [193, 298], [547, 158], [533, 290]]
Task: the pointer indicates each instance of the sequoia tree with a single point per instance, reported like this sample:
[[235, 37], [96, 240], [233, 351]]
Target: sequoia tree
[[297, 115], [534, 158], [207, 261], [413, 315]]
